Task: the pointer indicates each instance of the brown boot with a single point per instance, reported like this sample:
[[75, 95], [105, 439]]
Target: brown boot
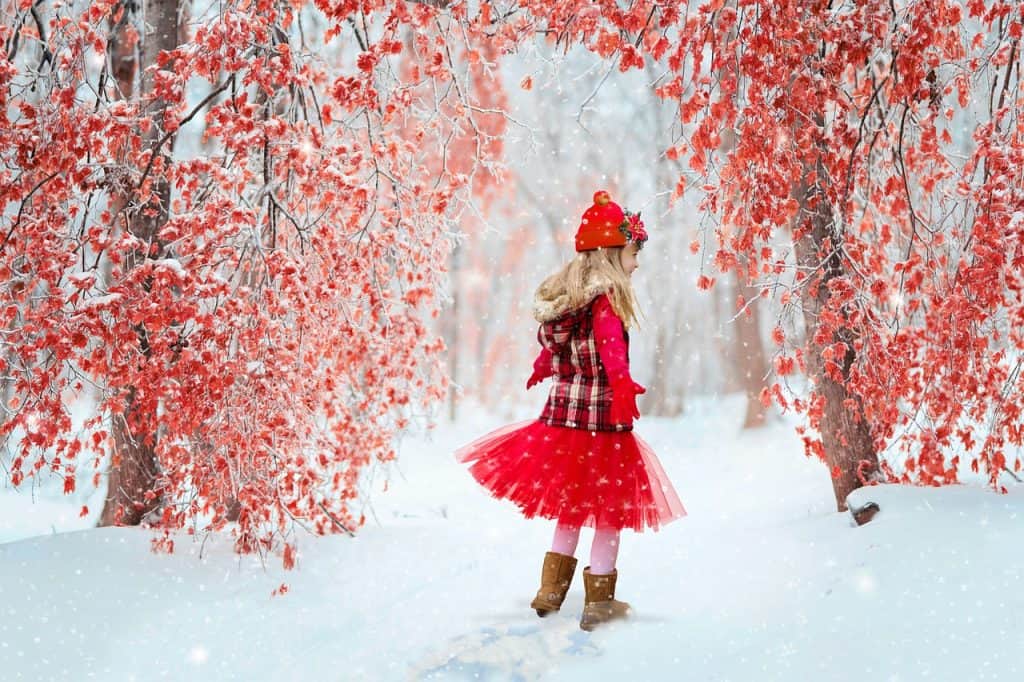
[[600, 605], [554, 583]]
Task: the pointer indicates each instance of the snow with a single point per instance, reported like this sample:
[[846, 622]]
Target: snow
[[172, 264], [82, 280], [99, 301], [762, 581]]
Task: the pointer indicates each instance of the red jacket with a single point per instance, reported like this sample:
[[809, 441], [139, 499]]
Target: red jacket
[[586, 352]]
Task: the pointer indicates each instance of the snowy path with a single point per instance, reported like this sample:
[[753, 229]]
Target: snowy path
[[761, 582]]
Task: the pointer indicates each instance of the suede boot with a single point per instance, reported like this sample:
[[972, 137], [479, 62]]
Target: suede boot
[[555, 579], [600, 605]]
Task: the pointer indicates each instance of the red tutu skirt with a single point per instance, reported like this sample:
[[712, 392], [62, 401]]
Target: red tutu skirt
[[602, 479]]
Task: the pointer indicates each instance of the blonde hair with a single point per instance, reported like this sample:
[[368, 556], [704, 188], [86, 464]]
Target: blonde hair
[[590, 273]]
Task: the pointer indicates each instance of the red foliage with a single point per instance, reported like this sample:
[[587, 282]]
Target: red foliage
[[929, 229], [274, 333]]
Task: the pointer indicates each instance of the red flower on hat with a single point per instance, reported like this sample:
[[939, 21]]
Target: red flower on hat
[[633, 228]]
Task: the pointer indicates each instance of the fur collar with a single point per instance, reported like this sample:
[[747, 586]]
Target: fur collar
[[547, 307]]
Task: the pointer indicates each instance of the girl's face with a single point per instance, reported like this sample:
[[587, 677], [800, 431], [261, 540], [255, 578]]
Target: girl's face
[[628, 258]]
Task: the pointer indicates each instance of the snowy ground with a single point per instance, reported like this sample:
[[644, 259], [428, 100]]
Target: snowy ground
[[763, 581]]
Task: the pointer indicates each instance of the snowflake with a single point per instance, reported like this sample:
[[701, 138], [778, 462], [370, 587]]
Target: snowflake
[[198, 655]]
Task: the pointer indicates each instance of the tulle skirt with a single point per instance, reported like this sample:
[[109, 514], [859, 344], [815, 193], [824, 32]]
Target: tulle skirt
[[602, 479]]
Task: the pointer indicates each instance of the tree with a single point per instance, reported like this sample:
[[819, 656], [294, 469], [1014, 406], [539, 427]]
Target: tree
[[262, 331], [133, 490], [844, 115], [905, 252]]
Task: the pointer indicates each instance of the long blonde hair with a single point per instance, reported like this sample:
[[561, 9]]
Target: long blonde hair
[[590, 273]]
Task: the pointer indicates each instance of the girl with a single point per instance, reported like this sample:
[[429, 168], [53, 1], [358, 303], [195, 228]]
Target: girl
[[580, 463]]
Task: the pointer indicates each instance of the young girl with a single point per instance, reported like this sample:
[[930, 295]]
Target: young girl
[[580, 463]]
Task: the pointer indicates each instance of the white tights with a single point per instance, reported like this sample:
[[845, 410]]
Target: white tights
[[603, 551]]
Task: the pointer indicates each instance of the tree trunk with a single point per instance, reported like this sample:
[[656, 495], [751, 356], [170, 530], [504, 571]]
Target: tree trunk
[[452, 334], [664, 401], [131, 492], [845, 435], [133, 473], [122, 52], [724, 334], [751, 366]]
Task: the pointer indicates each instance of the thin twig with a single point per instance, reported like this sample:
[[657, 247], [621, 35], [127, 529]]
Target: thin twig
[[334, 520], [221, 88]]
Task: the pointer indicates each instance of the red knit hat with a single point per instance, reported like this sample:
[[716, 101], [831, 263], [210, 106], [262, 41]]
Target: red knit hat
[[605, 224]]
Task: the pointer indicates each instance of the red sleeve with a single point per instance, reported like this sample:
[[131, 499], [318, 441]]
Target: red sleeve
[[611, 343]]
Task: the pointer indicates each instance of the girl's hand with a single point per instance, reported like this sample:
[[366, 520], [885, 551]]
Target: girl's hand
[[624, 394], [541, 369]]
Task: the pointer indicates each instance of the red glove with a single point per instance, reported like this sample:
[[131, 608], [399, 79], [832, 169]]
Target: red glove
[[535, 379], [624, 394], [541, 369]]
